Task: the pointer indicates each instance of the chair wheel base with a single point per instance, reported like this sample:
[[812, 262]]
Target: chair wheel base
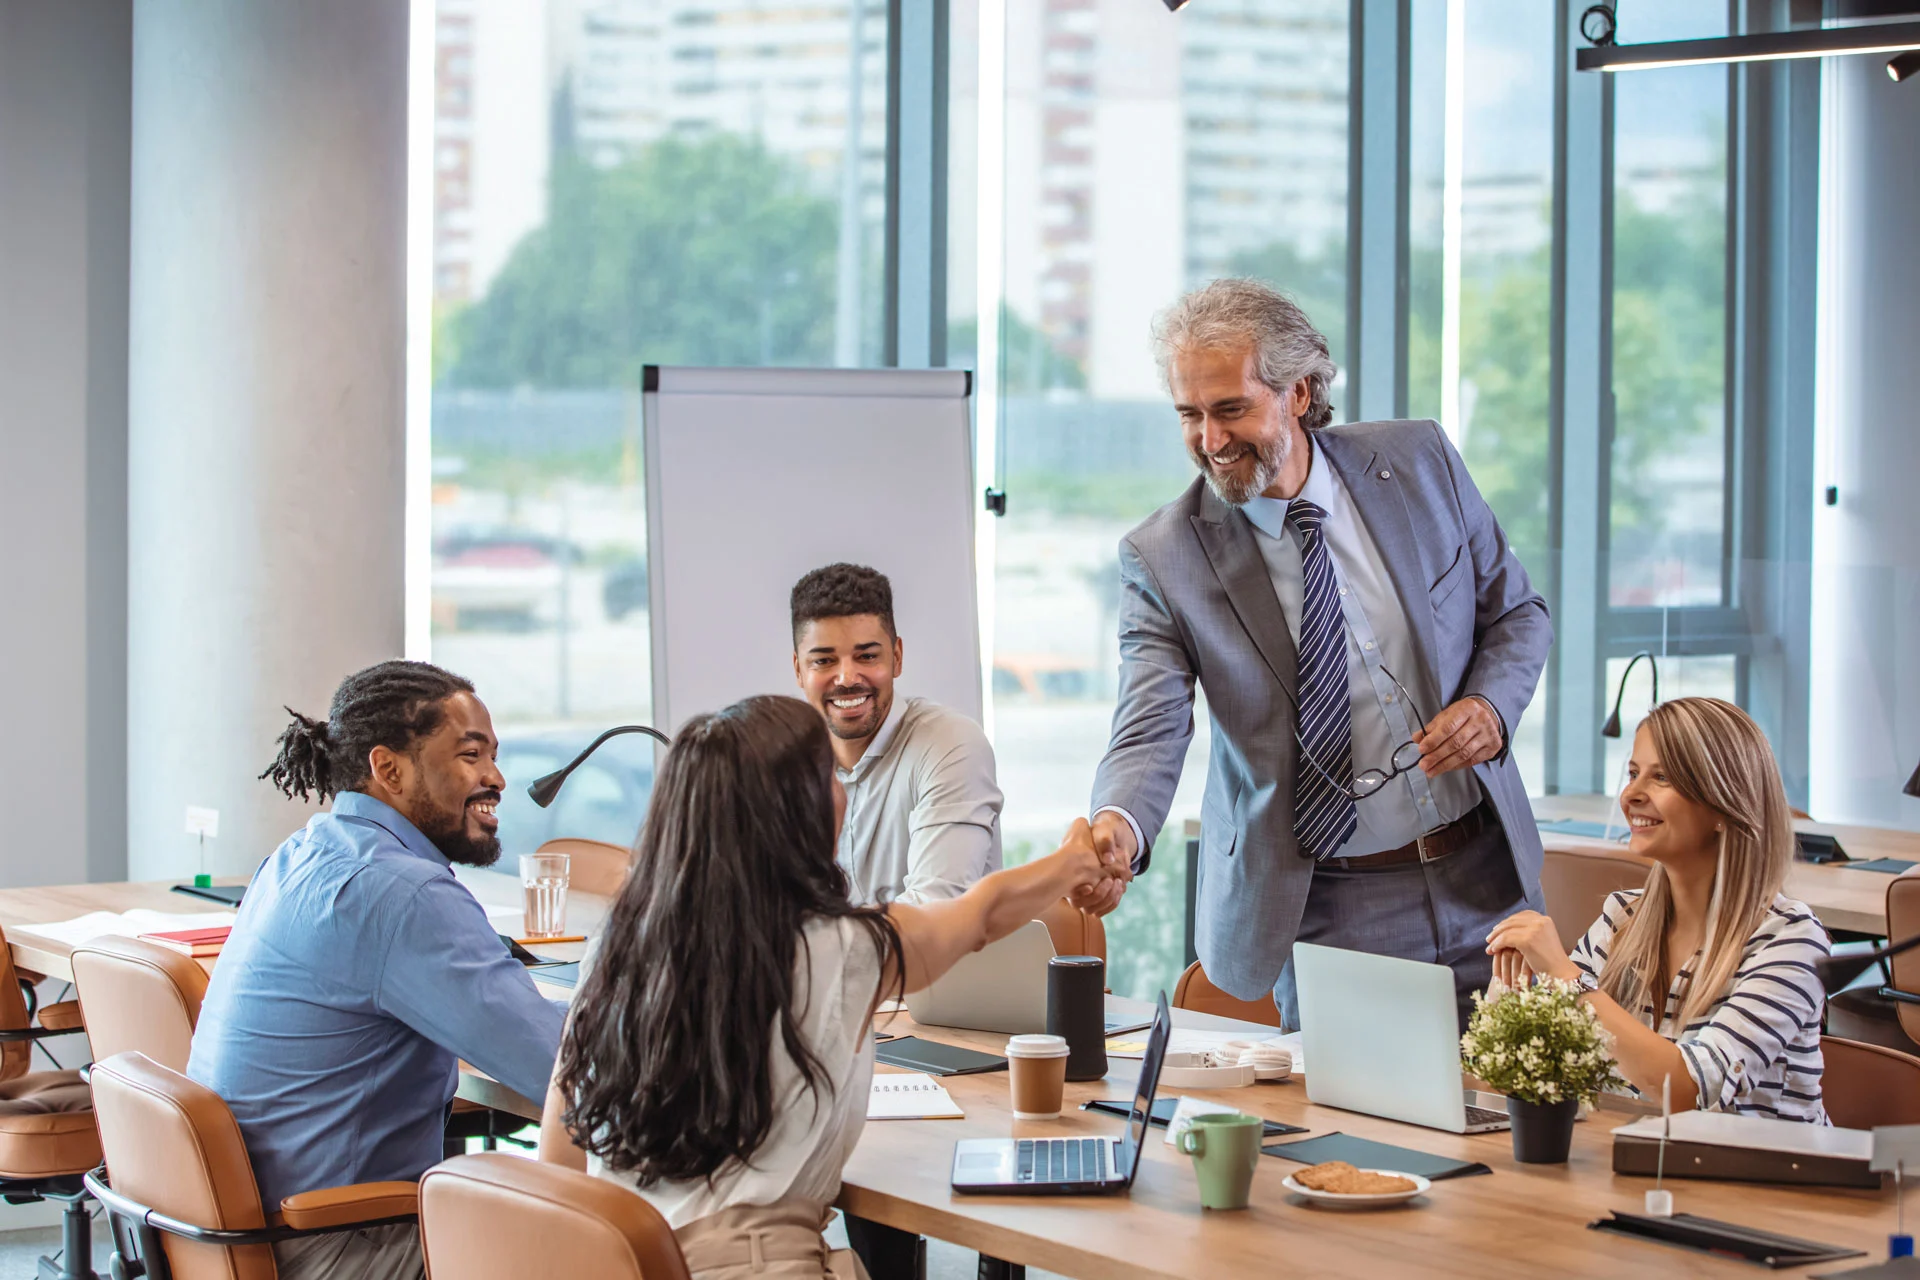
[[51, 1270]]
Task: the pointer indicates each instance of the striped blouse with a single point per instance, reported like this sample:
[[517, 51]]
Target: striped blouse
[[1757, 1049]]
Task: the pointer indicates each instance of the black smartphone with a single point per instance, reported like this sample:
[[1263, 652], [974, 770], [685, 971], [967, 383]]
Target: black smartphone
[[519, 952]]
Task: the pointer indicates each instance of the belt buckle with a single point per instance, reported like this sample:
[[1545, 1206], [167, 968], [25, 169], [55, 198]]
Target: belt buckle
[[1420, 843]]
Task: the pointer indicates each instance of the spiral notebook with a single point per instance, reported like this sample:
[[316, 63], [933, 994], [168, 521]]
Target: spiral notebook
[[911, 1096]]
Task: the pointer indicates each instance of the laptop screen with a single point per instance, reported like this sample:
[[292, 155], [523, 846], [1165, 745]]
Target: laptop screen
[[1149, 1084]]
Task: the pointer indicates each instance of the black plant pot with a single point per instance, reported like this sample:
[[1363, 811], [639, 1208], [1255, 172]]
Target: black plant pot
[[1542, 1131]]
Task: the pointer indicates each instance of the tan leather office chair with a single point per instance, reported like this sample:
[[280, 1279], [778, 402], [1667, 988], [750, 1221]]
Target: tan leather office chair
[[47, 1135], [1075, 932], [180, 1189], [597, 867], [1576, 886], [1196, 991], [493, 1217], [139, 997], [1866, 1085]]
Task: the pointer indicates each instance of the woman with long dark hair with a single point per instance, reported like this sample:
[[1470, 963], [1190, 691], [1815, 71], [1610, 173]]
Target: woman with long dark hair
[[719, 1052]]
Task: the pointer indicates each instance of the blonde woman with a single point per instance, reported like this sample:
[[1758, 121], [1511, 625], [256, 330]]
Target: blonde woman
[[1711, 944]]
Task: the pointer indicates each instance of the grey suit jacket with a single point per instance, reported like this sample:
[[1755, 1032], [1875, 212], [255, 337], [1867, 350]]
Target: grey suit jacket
[[1197, 603]]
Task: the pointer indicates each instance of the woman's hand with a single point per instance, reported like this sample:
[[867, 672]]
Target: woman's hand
[[1526, 943], [1081, 869]]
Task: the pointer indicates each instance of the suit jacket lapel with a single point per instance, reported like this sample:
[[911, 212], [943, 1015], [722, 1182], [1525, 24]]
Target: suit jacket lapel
[[1227, 539], [1382, 505]]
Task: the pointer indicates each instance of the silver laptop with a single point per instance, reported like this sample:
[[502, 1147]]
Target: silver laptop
[[1069, 1166], [1001, 987], [1381, 1036]]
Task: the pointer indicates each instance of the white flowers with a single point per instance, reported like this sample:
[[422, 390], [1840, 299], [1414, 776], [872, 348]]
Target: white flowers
[[1538, 1043]]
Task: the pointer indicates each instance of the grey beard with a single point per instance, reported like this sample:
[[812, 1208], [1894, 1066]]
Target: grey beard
[[1267, 461]]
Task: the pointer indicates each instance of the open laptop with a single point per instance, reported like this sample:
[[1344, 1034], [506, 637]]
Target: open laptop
[[1381, 1036], [1068, 1166], [1001, 987]]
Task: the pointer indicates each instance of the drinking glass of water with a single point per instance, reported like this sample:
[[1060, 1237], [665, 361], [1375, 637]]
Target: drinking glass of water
[[543, 877]]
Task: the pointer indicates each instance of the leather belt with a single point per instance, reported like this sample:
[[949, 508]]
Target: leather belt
[[1441, 842]]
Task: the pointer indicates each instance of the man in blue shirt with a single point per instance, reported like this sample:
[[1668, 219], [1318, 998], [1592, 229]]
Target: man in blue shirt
[[360, 970]]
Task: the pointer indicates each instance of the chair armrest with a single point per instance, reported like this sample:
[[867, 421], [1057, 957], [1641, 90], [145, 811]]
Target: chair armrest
[[64, 1016], [344, 1206]]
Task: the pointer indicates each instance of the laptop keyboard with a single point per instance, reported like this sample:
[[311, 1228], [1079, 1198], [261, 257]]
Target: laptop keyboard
[[1063, 1160], [1485, 1115]]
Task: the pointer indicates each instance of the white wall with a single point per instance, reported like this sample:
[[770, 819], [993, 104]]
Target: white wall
[[1866, 620], [63, 398], [266, 399]]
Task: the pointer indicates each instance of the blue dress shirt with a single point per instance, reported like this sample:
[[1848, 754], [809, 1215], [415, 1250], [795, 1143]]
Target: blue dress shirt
[[357, 974], [1379, 640]]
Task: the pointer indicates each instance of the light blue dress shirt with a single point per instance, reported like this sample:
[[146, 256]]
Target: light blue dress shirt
[[357, 974], [1378, 641]]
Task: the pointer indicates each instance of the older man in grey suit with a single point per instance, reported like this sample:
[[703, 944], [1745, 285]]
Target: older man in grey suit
[[1367, 642]]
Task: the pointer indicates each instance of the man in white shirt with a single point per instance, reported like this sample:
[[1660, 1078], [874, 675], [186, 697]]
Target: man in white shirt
[[923, 808]]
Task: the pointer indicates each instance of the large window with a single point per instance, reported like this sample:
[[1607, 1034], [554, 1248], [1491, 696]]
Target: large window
[[1480, 231], [1145, 155], [620, 183]]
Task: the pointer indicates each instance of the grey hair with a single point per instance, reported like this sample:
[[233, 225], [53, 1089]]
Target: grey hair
[[1235, 311]]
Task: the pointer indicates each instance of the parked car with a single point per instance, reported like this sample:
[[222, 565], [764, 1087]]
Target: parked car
[[624, 589], [604, 799]]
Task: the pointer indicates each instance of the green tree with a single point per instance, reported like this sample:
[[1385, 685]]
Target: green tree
[[708, 252], [1318, 282], [1030, 361]]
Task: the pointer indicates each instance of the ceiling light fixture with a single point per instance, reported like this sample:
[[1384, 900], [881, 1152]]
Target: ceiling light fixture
[[1903, 66], [1175, 6], [1765, 46]]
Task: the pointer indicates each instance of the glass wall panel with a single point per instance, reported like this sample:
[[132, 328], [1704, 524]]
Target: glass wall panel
[[1145, 154], [1480, 231], [618, 183], [1669, 467]]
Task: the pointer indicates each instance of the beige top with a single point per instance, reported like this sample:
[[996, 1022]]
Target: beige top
[[836, 973], [923, 808]]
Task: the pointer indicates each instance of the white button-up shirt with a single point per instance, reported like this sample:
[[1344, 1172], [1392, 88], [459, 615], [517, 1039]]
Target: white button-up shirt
[[923, 808]]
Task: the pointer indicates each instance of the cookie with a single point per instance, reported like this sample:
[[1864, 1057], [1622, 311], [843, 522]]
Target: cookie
[[1321, 1177], [1364, 1183]]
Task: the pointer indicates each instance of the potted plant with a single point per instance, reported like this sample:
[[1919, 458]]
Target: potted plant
[[1547, 1052]]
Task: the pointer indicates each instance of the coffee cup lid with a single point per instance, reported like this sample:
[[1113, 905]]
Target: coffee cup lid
[[1037, 1047]]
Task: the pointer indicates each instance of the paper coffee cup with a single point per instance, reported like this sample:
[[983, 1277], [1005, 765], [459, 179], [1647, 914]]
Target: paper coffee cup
[[1037, 1074]]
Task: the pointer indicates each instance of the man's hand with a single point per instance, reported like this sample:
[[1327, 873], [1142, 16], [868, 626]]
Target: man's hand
[[1465, 734], [1113, 842]]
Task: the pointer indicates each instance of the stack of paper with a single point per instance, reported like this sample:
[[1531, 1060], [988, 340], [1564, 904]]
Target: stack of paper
[[911, 1095], [125, 924], [1188, 1040]]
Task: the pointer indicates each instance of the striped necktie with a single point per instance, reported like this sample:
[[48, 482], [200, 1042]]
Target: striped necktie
[[1323, 815]]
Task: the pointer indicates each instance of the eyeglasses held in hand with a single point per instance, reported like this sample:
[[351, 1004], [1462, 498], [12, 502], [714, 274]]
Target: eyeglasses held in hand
[[1405, 758]]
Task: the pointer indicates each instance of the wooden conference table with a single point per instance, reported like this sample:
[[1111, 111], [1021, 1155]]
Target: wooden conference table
[[1521, 1221], [1855, 901]]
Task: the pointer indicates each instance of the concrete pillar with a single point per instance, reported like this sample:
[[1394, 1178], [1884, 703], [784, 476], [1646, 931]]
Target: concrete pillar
[[266, 396], [64, 123], [1866, 621]]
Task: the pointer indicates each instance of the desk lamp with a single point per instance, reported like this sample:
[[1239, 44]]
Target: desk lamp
[[1611, 729], [544, 789]]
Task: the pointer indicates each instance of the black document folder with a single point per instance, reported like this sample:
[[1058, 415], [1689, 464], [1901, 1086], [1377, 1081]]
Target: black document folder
[[934, 1058], [1163, 1115], [1364, 1154], [1710, 1235]]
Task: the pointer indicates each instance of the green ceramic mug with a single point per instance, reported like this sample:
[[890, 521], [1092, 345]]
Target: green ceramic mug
[[1225, 1151]]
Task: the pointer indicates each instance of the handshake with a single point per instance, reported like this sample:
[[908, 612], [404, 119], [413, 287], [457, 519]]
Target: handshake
[[1095, 862]]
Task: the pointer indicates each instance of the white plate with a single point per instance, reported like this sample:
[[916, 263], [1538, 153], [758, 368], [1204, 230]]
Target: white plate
[[1334, 1200]]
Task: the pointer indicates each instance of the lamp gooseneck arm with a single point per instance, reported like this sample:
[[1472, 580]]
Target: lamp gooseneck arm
[[542, 790]]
